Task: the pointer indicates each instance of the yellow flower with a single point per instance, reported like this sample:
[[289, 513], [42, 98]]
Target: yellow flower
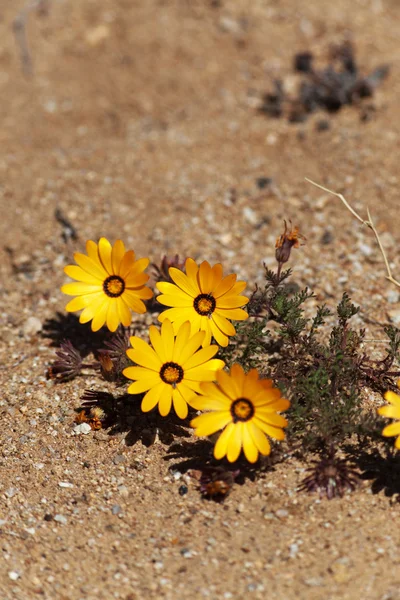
[[110, 284], [393, 412], [245, 407], [205, 298], [171, 371]]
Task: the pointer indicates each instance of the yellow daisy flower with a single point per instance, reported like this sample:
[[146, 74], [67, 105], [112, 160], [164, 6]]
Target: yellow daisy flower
[[393, 412], [205, 298], [245, 407], [171, 371], [110, 284]]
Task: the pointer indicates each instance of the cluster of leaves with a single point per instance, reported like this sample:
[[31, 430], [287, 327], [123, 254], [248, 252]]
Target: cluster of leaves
[[323, 370]]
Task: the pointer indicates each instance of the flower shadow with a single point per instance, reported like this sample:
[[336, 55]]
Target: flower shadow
[[381, 467], [122, 414], [67, 327], [197, 455]]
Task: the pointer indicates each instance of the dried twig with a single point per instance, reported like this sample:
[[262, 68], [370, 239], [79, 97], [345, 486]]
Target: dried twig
[[369, 223]]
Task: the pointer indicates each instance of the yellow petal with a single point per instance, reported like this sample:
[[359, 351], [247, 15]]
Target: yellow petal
[[216, 276], [143, 354], [392, 429], [231, 301], [145, 293], [93, 267], [178, 316], [259, 438], [235, 314], [218, 335], [135, 282], [96, 303], [237, 288], [134, 303], [249, 448], [180, 406], [185, 391], [79, 274], [205, 372], [224, 325], [92, 250], [157, 343], [274, 432], [127, 264], [182, 338], [79, 303], [228, 385], [152, 397], [137, 387], [105, 255], [235, 443], [124, 314], [191, 269], [393, 412], [175, 300], [183, 281], [200, 357], [139, 373], [112, 315], [165, 402], [271, 418], [265, 397], [78, 289], [186, 353], [226, 284], [168, 339], [205, 325], [117, 255], [222, 444], [392, 398], [139, 266], [100, 316], [238, 375], [204, 277], [209, 423]]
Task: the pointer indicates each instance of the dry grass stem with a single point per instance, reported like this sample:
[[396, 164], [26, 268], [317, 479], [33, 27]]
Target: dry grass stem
[[368, 223]]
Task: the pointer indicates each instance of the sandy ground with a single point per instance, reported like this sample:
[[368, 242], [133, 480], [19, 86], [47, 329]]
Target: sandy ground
[[139, 120]]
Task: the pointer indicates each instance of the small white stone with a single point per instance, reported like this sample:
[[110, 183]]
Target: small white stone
[[61, 519], [250, 215], [32, 326], [66, 484], [82, 428], [14, 575]]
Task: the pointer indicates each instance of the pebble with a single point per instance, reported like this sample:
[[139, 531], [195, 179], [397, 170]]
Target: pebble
[[65, 484], [31, 326], [61, 519], [14, 575], [394, 316], [392, 296], [118, 459], [82, 428], [250, 215], [116, 509], [97, 35]]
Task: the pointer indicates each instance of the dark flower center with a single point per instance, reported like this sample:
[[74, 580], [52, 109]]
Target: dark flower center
[[114, 286], [171, 373], [242, 410], [204, 304]]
